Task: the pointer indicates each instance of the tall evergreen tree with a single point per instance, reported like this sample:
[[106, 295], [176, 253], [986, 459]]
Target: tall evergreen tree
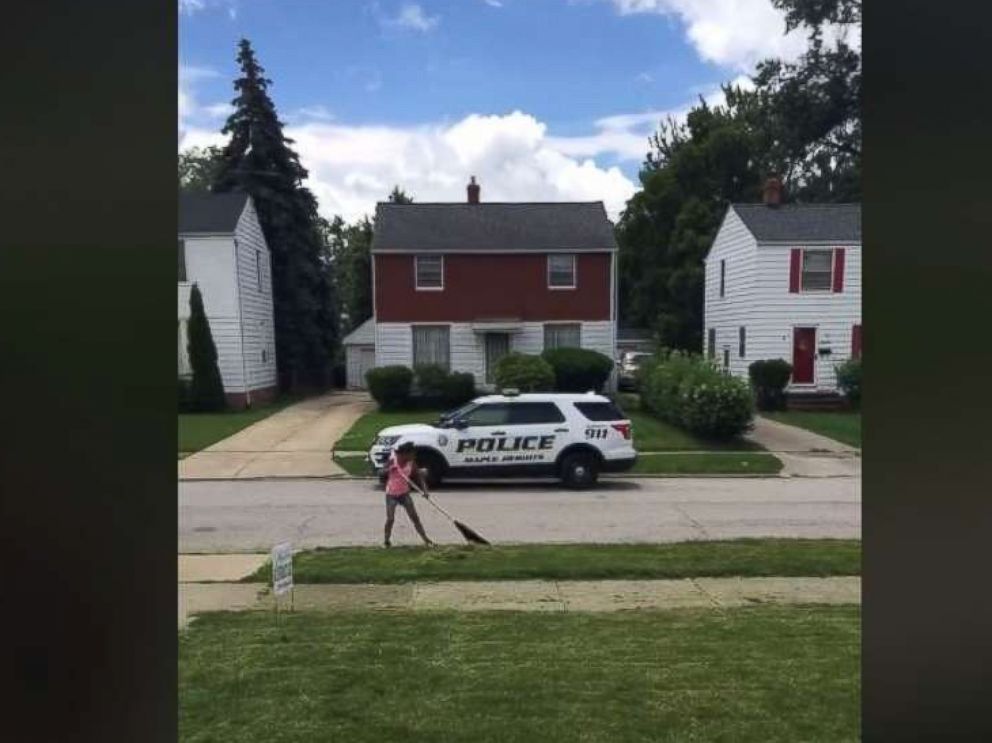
[[206, 388], [198, 167], [258, 159]]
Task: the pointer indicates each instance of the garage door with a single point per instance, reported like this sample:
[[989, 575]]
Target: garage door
[[360, 360]]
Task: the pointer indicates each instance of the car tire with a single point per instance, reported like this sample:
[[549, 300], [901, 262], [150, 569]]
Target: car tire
[[579, 471], [434, 466]]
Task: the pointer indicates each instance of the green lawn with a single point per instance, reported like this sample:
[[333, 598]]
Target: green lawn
[[768, 674], [743, 557], [200, 430], [843, 426], [359, 436], [708, 463]]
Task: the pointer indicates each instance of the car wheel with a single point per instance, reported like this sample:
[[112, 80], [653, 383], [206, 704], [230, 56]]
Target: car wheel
[[433, 467], [579, 471]]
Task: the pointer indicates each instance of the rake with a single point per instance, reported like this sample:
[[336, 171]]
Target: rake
[[470, 534]]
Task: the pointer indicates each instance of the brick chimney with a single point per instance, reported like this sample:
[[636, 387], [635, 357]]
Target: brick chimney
[[473, 191], [771, 194]]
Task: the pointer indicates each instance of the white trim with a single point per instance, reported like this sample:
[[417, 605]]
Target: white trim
[[575, 273], [833, 266], [241, 323], [416, 273]]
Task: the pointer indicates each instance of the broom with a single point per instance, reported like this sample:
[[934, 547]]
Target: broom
[[470, 534]]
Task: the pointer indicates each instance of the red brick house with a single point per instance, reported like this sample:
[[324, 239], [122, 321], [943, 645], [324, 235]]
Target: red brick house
[[462, 284]]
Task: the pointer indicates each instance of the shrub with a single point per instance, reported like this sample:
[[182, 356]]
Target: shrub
[[206, 389], [524, 372], [768, 379], [690, 392], [184, 396], [849, 380], [437, 387], [390, 386], [459, 388], [578, 369]]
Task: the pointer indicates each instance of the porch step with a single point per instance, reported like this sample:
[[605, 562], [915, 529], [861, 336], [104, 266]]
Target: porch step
[[815, 401]]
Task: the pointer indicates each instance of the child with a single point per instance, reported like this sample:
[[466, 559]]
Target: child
[[402, 468]]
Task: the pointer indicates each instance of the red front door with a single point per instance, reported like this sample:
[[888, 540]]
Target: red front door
[[803, 348]]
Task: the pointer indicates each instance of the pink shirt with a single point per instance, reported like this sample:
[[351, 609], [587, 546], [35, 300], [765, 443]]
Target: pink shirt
[[395, 484]]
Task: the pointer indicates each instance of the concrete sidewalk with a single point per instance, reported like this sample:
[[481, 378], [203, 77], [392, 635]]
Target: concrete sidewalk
[[804, 453], [535, 595], [295, 442]]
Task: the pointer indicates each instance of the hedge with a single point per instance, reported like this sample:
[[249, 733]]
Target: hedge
[[437, 387], [690, 392], [849, 380], [768, 379], [524, 372], [578, 369], [390, 386]]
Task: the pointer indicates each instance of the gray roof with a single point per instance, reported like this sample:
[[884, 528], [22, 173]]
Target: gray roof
[[210, 212], [363, 335], [492, 227], [802, 222]]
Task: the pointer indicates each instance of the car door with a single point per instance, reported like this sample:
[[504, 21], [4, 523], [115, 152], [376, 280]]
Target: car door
[[474, 446], [538, 431]]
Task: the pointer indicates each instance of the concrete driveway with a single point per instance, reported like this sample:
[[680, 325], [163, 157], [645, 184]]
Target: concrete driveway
[[804, 453], [295, 442], [234, 516]]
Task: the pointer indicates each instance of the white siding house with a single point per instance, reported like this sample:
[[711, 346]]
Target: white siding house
[[784, 281], [223, 251], [359, 351]]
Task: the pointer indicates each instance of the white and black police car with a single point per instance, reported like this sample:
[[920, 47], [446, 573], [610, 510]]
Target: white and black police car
[[569, 436]]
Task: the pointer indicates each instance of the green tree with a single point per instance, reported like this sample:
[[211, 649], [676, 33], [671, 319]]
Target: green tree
[[206, 391], [198, 167], [258, 159], [399, 196]]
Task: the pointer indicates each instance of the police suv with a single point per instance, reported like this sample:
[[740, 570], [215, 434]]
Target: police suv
[[572, 437]]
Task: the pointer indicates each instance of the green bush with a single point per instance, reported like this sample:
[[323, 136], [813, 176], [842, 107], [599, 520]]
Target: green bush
[[185, 405], [578, 369], [768, 379], [429, 380], [849, 380], [459, 388], [690, 392], [390, 386], [436, 387], [524, 372], [206, 388]]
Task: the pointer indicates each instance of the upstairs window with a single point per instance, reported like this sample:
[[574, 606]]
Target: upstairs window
[[817, 275], [723, 278], [182, 260], [562, 336], [561, 271], [429, 271]]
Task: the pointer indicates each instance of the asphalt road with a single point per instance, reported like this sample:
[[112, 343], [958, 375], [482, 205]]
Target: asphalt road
[[251, 516]]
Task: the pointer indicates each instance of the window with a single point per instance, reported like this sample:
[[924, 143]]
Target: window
[[524, 413], [711, 343], [430, 271], [723, 278], [726, 357], [492, 414], [561, 271], [258, 268], [182, 260], [742, 342], [562, 336], [817, 270], [600, 411], [856, 341], [431, 345]]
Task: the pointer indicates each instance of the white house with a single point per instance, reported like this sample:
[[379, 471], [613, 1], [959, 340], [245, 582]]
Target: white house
[[223, 251], [359, 351], [784, 281]]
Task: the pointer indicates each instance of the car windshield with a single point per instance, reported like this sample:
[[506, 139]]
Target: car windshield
[[461, 412]]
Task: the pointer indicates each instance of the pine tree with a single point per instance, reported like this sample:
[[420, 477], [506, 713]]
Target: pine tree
[[258, 159], [206, 389]]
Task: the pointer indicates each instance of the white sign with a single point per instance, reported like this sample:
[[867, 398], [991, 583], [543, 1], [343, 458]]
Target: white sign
[[282, 568]]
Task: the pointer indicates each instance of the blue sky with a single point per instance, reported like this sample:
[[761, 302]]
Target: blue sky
[[541, 99]]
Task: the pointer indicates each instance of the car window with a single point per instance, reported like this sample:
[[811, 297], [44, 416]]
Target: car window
[[523, 413], [600, 411], [491, 414]]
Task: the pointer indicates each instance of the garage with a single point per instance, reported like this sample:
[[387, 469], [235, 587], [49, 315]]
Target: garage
[[359, 349]]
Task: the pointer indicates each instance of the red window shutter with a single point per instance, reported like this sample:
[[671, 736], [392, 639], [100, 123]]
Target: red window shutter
[[795, 268], [856, 342], [839, 270]]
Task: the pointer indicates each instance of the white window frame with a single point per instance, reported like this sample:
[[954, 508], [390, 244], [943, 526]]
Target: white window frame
[[802, 265], [575, 271], [416, 273]]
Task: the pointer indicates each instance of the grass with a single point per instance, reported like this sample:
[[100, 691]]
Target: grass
[[708, 463], [200, 430], [739, 557], [767, 673], [359, 436], [842, 426]]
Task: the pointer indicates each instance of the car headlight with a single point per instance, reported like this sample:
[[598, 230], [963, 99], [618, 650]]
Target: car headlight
[[386, 440]]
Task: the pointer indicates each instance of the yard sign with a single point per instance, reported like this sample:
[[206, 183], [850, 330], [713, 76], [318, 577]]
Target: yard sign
[[282, 568]]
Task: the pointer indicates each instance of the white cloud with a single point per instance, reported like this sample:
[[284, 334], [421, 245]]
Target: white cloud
[[320, 113], [494, 3], [733, 33], [413, 17], [189, 7], [644, 77]]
